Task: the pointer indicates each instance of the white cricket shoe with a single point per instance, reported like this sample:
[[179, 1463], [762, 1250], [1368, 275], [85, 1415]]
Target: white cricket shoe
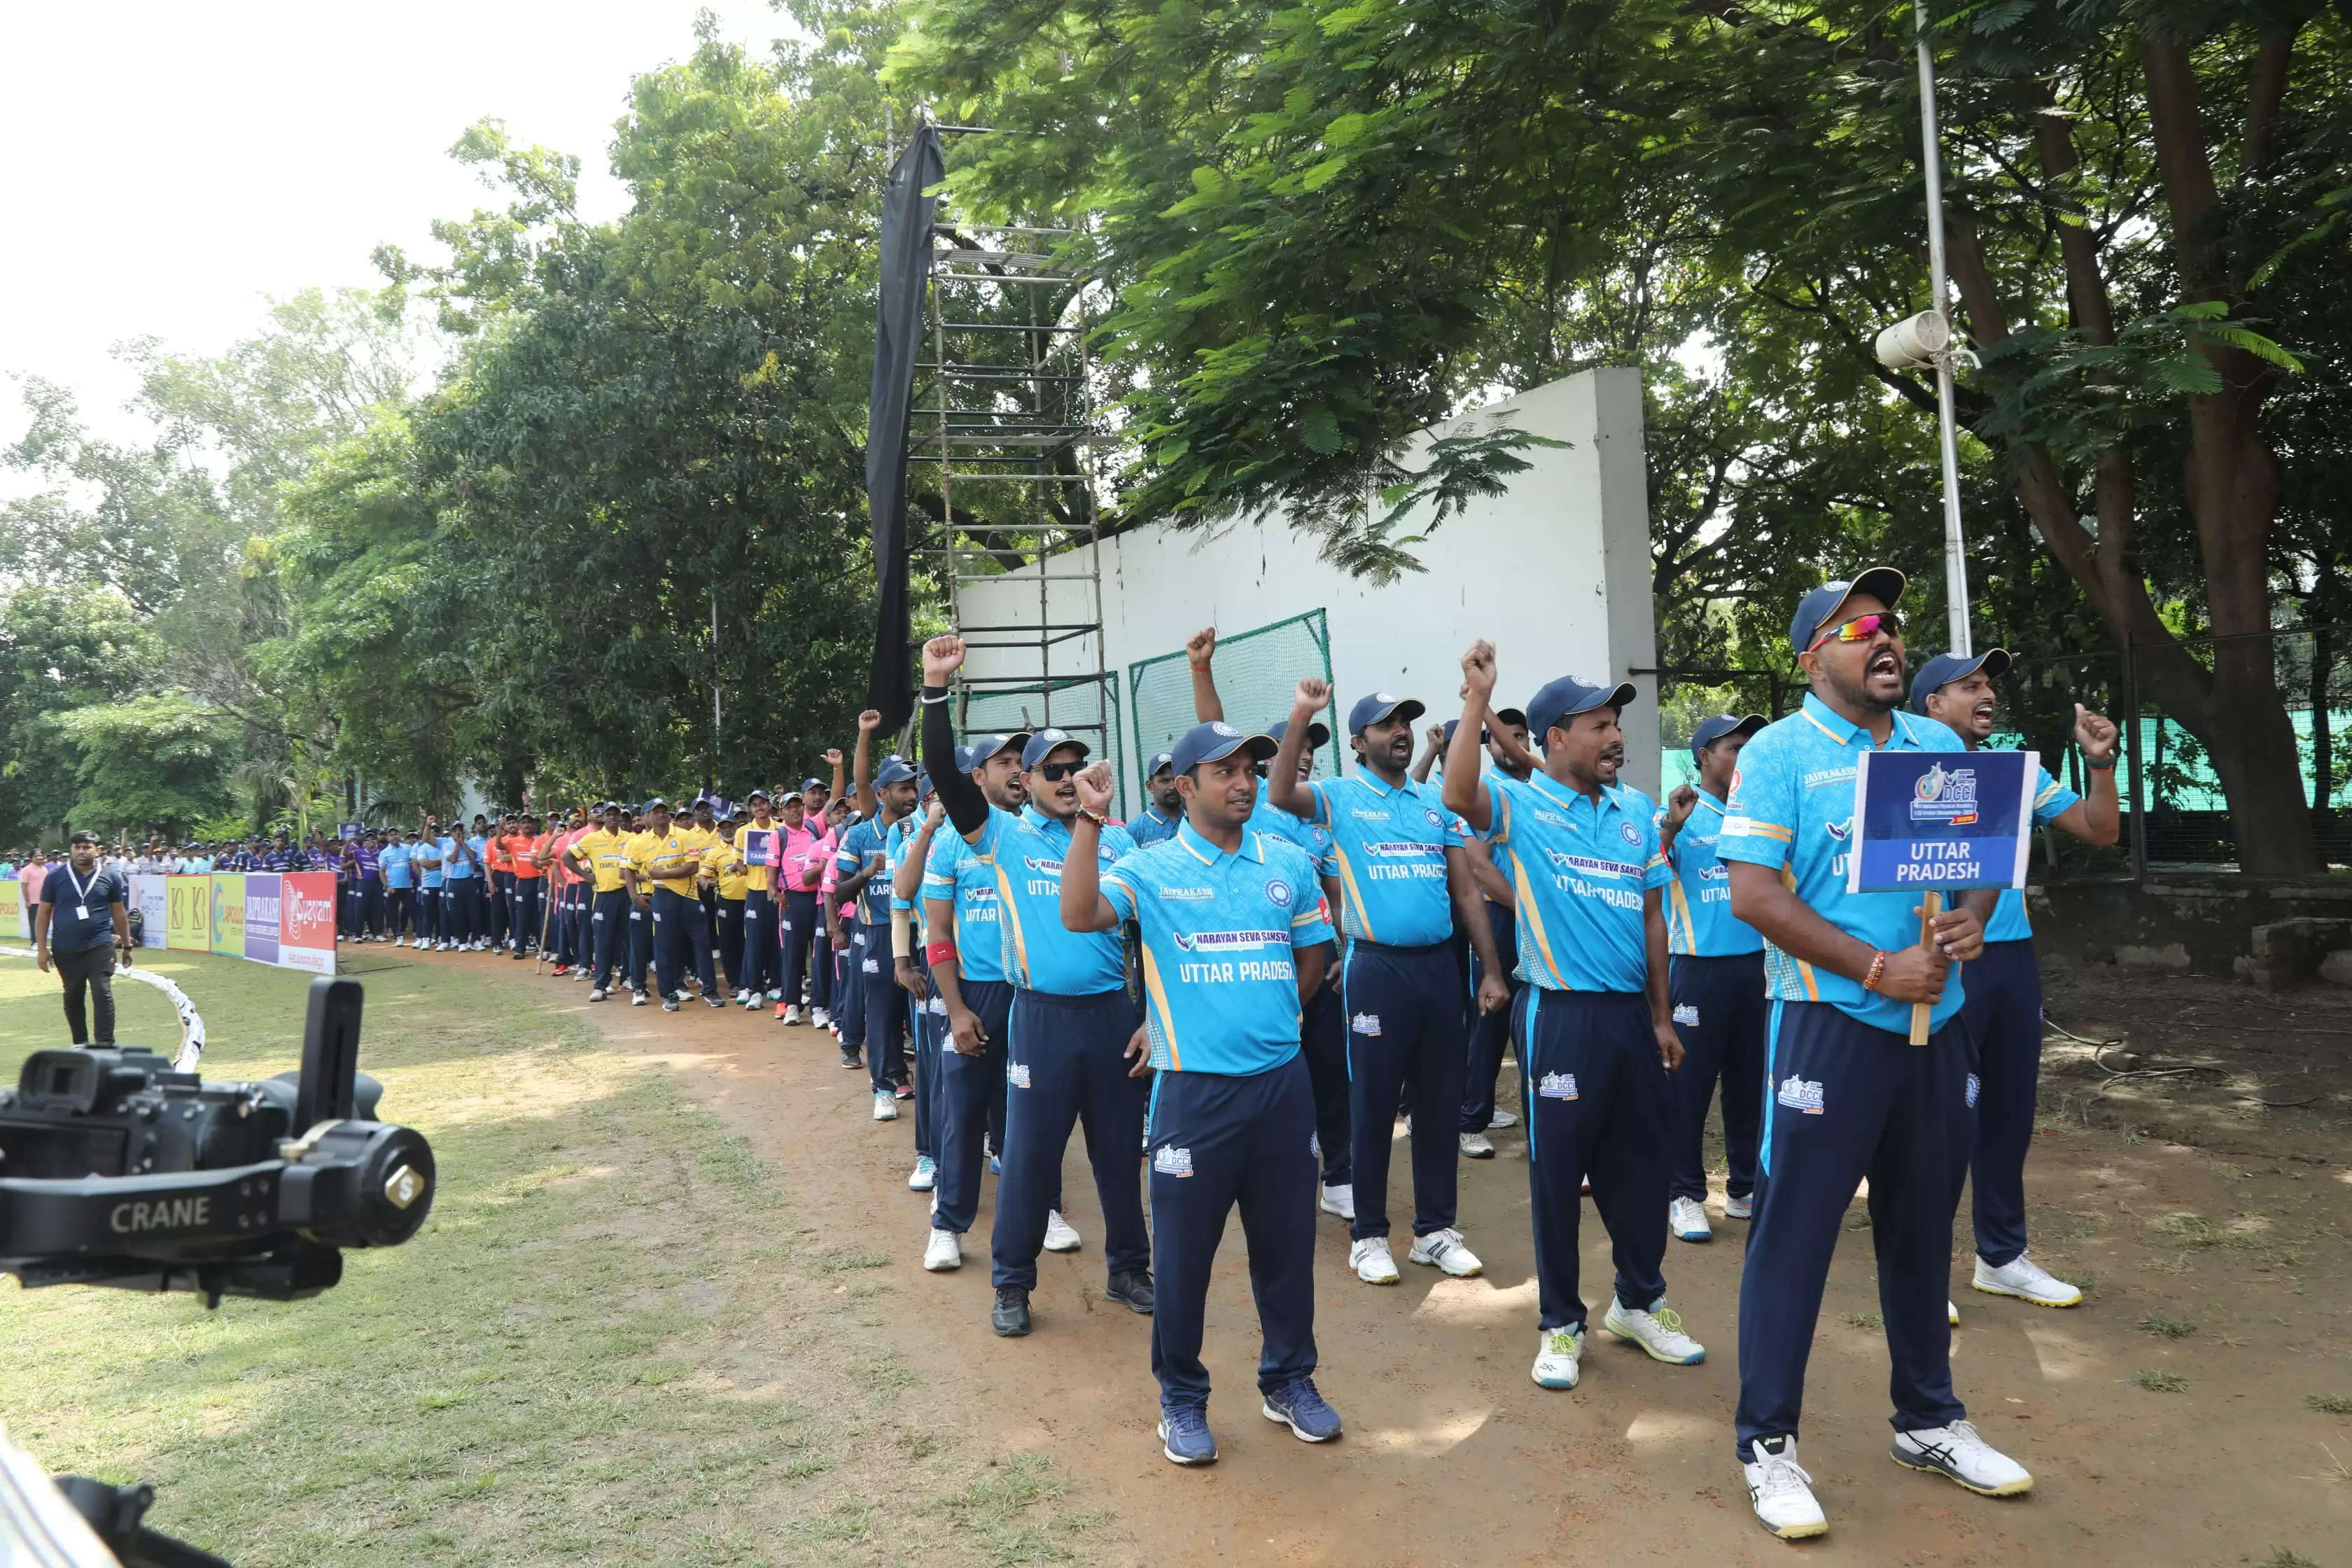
[[400, 941], [1951, 1314], [1686, 1218], [1478, 1146], [1444, 1249], [1738, 1208], [886, 1106], [636, 998], [1340, 1200], [1501, 1119], [1780, 1491], [1658, 1330], [925, 1176], [944, 1252], [1061, 1235], [1558, 1352], [597, 994], [2027, 1280], [1371, 1261], [820, 1018], [792, 1016], [1957, 1451], [775, 995]]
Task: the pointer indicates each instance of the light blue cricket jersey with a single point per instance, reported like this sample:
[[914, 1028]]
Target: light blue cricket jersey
[[394, 861], [861, 843], [1271, 819], [900, 842], [1699, 922], [451, 870], [1220, 983], [427, 863], [2051, 800], [1580, 870], [1151, 828], [1041, 954], [953, 872], [1388, 844], [1793, 807]]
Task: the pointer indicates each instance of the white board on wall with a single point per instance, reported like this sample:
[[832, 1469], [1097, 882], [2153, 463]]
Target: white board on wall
[[1555, 572]]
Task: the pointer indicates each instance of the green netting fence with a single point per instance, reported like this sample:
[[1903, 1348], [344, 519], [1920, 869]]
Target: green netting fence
[[1084, 705], [1256, 671]]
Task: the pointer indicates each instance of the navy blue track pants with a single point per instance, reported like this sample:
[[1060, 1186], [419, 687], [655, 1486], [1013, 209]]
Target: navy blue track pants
[[1490, 1032], [608, 928], [884, 1007], [1218, 1140], [2001, 1017], [801, 925], [1597, 1106], [727, 944], [1065, 1063], [1323, 1041], [1404, 1007], [759, 954], [971, 1088], [927, 1023], [1849, 1101], [678, 927], [849, 987], [1720, 1008]]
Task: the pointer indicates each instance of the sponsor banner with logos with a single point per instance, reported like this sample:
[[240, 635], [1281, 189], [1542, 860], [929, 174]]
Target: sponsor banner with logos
[[188, 914], [151, 898], [13, 916], [261, 896], [306, 921], [228, 913], [1941, 821]]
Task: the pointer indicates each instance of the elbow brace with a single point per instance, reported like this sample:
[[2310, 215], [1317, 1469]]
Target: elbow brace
[[902, 936]]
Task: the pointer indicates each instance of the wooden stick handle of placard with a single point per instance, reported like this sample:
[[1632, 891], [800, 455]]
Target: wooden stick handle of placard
[[1931, 906]]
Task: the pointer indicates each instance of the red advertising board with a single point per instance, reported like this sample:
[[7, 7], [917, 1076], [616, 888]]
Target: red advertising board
[[306, 921]]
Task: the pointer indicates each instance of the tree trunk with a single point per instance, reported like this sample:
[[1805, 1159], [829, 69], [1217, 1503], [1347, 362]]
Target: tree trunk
[[2323, 734]]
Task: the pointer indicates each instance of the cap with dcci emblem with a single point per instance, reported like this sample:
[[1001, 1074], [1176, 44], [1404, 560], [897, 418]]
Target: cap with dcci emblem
[[1044, 742], [1208, 742], [1379, 706]]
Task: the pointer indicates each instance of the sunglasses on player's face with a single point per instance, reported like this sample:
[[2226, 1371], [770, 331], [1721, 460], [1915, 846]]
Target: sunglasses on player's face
[[1055, 772], [1862, 629]]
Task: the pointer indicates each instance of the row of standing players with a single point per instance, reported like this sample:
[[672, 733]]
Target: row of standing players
[[1629, 956], [1248, 1081]]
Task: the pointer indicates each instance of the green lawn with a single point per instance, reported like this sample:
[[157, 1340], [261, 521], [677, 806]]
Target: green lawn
[[614, 1341]]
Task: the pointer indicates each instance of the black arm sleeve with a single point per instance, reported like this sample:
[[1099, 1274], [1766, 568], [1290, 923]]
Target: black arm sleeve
[[966, 807]]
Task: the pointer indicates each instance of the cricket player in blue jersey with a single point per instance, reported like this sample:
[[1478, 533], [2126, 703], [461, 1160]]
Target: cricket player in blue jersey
[[1233, 936], [1404, 887], [1716, 965], [1851, 1097], [861, 871], [1490, 1032], [2003, 1015], [909, 847], [964, 945], [1324, 1032], [1594, 1029], [1164, 810], [1074, 1050]]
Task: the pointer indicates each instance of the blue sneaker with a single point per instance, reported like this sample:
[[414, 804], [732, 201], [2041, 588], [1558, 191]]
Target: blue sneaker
[[995, 1166], [1184, 1434], [1298, 1407]]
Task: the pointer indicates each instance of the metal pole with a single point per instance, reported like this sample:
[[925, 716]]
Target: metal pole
[[1956, 562], [711, 781]]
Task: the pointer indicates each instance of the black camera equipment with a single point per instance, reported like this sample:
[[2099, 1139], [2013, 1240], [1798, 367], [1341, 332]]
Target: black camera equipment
[[115, 1170]]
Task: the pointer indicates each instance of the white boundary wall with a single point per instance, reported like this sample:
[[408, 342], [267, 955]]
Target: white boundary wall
[[1555, 572]]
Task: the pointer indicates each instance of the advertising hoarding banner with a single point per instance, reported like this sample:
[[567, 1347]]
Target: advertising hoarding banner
[[188, 913], [150, 897], [306, 920], [228, 913]]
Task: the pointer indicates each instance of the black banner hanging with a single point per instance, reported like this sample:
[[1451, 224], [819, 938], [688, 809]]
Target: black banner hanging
[[907, 213]]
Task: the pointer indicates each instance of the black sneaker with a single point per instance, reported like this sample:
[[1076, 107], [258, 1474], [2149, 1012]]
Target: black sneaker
[[852, 1060], [1130, 1287], [1010, 1316]]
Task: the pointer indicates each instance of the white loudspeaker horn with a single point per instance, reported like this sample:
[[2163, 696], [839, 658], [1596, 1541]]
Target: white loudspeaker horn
[[1914, 340]]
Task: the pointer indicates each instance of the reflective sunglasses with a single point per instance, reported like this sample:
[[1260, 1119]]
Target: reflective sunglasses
[[1862, 629], [1057, 772]]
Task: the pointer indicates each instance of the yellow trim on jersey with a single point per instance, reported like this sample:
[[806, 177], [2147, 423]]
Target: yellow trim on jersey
[[1160, 1003], [1009, 910], [1531, 918], [1769, 830], [1681, 908], [1354, 900]]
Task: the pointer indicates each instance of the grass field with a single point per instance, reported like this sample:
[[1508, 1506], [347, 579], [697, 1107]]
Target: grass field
[[614, 1341]]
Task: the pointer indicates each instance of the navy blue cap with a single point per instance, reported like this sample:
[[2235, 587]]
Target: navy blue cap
[[1208, 742], [1571, 695], [892, 770], [1043, 744], [1512, 715], [1318, 734], [757, 795], [983, 747], [1160, 759], [1946, 667], [963, 762], [923, 780], [656, 801], [1820, 607], [1712, 730], [1371, 710], [808, 784]]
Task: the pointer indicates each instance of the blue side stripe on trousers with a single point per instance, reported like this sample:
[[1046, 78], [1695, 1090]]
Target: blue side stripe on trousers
[[1772, 1066]]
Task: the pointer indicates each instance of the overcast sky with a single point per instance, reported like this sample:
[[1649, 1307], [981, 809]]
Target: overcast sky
[[168, 165]]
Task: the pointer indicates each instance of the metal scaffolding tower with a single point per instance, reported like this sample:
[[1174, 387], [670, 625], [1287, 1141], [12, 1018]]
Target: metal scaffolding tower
[[1007, 418]]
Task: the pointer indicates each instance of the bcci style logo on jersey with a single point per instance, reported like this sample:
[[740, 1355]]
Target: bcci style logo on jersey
[[1170, 1161], [1973, 1087], [1801, 1094], [1556, 1086], [1629, 833], [1277, 893], [1947, 796]]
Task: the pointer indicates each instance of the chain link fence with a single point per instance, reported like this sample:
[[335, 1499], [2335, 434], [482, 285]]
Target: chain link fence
[[1256, 671]]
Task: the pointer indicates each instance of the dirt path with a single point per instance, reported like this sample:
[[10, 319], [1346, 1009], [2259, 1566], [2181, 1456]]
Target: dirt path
[[1454, 1456]]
